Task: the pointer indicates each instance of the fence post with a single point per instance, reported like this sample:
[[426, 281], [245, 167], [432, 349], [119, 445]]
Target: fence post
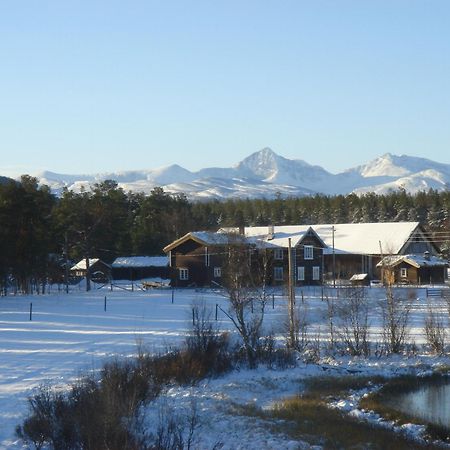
[[173, 294], [105, 304], [193, 316], [217, 311], [273, 301], [31, 311]]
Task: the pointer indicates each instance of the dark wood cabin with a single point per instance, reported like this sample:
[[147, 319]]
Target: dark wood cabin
[[99, 270], [197, 259], [307, 257], [414, 269], [140, 267]]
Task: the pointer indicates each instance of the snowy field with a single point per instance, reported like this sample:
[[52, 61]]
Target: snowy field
[[72, 333]]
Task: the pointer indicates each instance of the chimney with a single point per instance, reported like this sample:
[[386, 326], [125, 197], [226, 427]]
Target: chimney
[[426, 255], [270, 232]]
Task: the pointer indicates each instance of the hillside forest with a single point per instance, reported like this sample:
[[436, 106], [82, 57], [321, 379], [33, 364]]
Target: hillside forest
[[39, 231]]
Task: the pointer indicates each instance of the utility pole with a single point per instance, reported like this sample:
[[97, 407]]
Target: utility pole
[[291, 296], [382, 263], [334, 258], [66, 262]]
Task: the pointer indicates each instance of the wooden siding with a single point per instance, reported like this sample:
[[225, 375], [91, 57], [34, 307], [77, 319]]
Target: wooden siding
[[191, 255], [418, 276]]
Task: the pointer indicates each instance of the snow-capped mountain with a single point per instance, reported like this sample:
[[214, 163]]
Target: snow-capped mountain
[[267, 174]]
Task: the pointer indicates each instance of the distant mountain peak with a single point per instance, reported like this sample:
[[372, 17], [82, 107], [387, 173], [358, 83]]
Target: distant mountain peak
[[265, 174]]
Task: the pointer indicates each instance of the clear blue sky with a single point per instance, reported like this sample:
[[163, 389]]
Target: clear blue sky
[[93, 86]]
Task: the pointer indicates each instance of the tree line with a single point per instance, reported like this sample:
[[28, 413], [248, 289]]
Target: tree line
[[39, 230]]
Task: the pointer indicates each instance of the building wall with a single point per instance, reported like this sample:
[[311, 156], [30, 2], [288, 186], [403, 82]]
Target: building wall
[[299, 261], [204, 264], [422, 275]]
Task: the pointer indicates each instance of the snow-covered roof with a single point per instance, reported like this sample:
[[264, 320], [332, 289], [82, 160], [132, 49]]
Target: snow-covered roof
[[414, 260], [207, 238], [359, 277], [140, 261], [279, 238], [81, 265], [366, 238], [355, 238]]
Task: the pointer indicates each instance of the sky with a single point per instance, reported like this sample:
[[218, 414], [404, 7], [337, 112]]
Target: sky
[[101, 86]]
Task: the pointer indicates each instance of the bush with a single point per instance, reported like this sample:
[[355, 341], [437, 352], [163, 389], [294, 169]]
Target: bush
[[93, 414]]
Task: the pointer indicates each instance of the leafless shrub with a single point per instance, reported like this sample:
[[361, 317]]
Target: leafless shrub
[[274, 356], [395, 312], [296, 328], [97, 413], [352, 325], [245, 279], [330, 316], [435, 332], [175, 430]]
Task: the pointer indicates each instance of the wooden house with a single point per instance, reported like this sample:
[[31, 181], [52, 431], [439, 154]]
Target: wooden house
[[140, 267], [322, 252], [413, 269], [98, 270], [197, 259]]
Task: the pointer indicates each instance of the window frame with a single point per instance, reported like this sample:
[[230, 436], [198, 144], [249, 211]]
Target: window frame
[[308, 252], [217, 272], [403, 272], [300, 273], [316, 273], [278, 254], [277, 271], [183, 273]]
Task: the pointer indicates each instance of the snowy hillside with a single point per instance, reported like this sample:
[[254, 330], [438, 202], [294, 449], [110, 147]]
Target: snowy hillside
[[267, 174]]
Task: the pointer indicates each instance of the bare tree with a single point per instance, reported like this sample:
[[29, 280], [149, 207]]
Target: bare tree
[[395, 309], [352, 324], [296, 328], [395, 313], [435, 332], [245, 279], [330, 315]]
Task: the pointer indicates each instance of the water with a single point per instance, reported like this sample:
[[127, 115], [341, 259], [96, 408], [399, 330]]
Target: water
[[430, 403]]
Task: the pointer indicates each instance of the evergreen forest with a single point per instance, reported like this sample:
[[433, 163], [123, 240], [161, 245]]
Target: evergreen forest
[[39, 231]]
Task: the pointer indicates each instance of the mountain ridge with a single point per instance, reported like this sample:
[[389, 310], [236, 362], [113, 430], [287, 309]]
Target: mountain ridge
[[266, 174]]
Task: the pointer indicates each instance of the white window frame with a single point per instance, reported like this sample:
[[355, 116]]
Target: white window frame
[[183, 273], [278, 254], [217, 272], [316, 273], [278, 273], [308, 252], [404, 272], [301, 273]]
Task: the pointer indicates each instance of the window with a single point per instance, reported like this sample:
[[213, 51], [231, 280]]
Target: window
[[316, 273], [184, 274], [278, 254], [300, 273], [278, 273], [404, 272], [308, 252], [217, 272]]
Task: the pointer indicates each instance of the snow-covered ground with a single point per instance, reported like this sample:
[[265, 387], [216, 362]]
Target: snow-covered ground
[[72, 333]]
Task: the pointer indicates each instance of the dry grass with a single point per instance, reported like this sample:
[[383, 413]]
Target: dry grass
[[308, 418]]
